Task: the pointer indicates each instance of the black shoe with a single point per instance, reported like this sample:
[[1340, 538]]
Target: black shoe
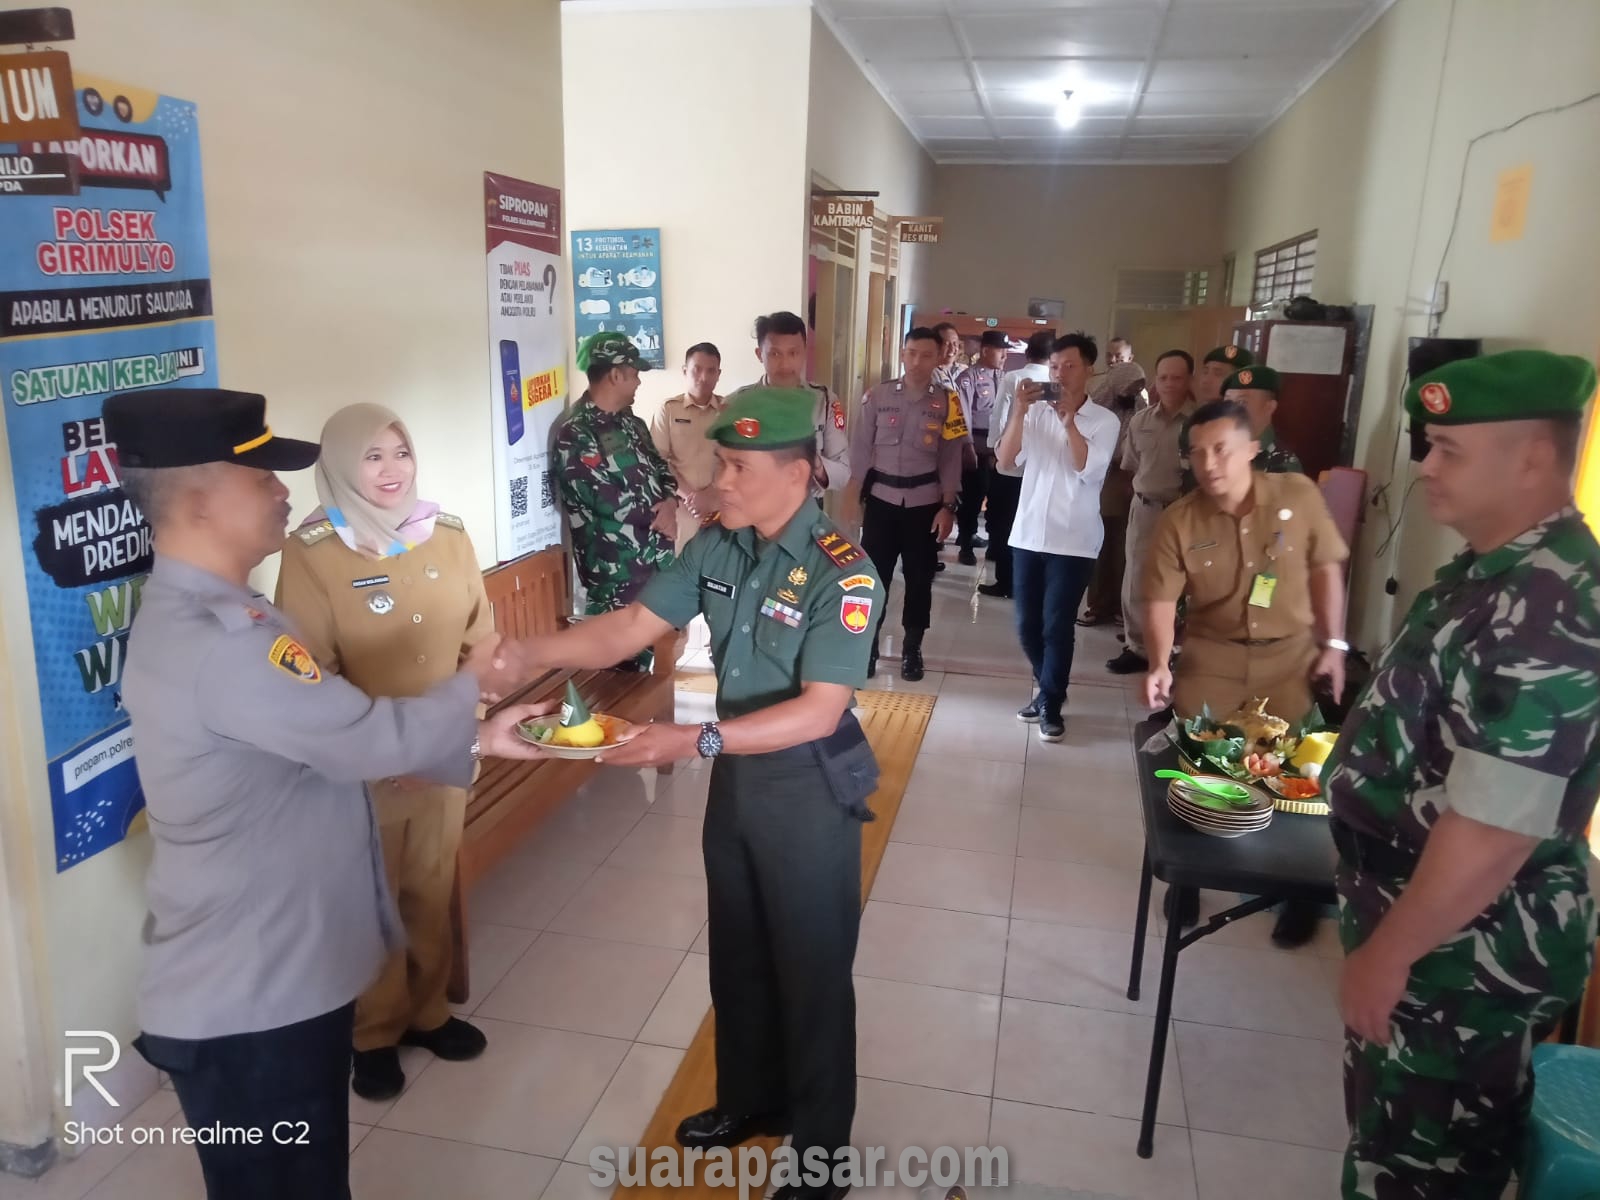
[[454, 1041], [967, 558], [1296, 924], [799, 1191], [994, 589], [376, 1074], [713, 1127], [1128, 663], [1051, 727], [1032, 711], [938, 566], [979, 542], [1190, 916], [911, 664]]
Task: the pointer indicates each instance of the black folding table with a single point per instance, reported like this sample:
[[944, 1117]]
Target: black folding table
[[1292, 859]]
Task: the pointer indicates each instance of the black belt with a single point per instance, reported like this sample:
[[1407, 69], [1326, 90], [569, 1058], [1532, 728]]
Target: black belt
[[1151, 500], [845, 760], [905, 481], [1257, 641], [1369, 855]]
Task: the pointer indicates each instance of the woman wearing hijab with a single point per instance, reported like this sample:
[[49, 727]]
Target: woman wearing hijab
[[385, 589]]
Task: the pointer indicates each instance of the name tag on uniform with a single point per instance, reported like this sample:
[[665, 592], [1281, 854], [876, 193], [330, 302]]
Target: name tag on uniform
[[716, 585], [1261, 591], [369, 581]]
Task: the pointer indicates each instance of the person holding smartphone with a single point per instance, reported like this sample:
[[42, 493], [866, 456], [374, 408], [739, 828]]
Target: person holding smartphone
[[1066, 444]]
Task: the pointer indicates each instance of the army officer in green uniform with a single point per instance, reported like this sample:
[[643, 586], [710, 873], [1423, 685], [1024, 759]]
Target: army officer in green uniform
[[791, 605], [1461, 786]]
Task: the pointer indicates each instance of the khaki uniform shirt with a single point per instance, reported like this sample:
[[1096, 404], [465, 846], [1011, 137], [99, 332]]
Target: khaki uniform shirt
[[910, 443], [266, 892], [1151, 452], [392, 626], [679, 432], [783, 613], [1214, 558]]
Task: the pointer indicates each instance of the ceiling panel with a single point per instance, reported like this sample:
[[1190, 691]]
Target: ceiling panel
[[905, 37], [940, 104], [1053, 74], [1120, 32], [1158, 80]]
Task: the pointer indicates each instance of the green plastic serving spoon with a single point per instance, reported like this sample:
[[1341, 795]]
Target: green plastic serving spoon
[[1232, 792]]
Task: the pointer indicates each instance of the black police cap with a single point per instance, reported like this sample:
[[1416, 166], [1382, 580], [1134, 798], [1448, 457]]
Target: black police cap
[[186, 427]]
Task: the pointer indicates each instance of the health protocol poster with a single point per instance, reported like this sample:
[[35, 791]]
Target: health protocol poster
[[104, 287], [616, 285], [527, 359]]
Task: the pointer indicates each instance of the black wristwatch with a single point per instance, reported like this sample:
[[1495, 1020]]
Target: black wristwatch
[[709, 742]]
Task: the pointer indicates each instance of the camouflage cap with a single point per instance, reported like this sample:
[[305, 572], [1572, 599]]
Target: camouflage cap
[[1516, 385], [609, 350], [1252, 379], [1233, 356], [766, 418]]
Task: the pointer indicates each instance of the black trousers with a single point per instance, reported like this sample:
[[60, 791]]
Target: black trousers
[[1005, 492], [890, 534], [292, 1084], [974, 490], [783, 882]]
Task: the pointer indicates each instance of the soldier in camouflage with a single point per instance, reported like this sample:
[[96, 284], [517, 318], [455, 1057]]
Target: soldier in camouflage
[[618, 491], [1461, 787], [1257, 389]]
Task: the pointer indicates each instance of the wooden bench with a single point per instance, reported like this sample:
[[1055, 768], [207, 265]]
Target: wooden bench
[[530, 596]]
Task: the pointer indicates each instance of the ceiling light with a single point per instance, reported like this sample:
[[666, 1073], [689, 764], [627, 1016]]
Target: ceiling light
[[1069, 110]]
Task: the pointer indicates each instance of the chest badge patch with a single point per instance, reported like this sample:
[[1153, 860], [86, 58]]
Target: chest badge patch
[[370, 581], [855, 613], [792, 617], [798, 577], [716, 585], [841, 552], [290, 657], [380, 602], [858, 581], [788, 596]]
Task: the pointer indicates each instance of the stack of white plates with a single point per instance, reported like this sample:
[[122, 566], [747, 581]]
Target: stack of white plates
[[1211, 816]]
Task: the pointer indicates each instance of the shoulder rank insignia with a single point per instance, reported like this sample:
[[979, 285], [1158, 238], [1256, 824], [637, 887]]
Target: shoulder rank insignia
[[449, 521], [290, 657], [840, 551], [312, 534]]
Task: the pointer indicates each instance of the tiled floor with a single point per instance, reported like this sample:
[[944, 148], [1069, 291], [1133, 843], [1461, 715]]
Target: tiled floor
[[991, 977]]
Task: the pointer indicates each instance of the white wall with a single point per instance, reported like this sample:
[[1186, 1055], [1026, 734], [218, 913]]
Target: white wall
[[1012, 233], [343, 150], [1372, 157], [705, 144], [855, 140]]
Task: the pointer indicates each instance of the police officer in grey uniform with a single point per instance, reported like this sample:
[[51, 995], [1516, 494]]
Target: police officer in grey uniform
[[907, 453], [268, 910], [781, 351], [979, 388]]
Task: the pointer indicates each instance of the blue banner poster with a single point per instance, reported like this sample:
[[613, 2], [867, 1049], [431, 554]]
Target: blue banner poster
[[616, 285], [104, 287]]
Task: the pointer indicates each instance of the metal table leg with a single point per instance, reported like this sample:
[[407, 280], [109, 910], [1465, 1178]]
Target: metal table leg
[[1158, 1042], [1141, 923]]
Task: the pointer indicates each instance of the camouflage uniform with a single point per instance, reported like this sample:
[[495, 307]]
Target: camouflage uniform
[[611, 478], [1274, 459], [1486, 703]]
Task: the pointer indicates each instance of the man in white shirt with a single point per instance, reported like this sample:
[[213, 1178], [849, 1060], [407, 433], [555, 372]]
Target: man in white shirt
[[1005, 483], [1064, 443]]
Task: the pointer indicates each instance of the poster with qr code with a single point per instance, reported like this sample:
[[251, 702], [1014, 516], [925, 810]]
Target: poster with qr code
[[527, 358]]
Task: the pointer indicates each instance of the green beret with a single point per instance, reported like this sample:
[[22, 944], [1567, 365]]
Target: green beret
[[1517, 385], [1234, 356], [1252, 379], [766, 418], [609, 350]]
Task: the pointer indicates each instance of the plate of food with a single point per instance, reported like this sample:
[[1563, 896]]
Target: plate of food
[[575, 732], [1254, 747]]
